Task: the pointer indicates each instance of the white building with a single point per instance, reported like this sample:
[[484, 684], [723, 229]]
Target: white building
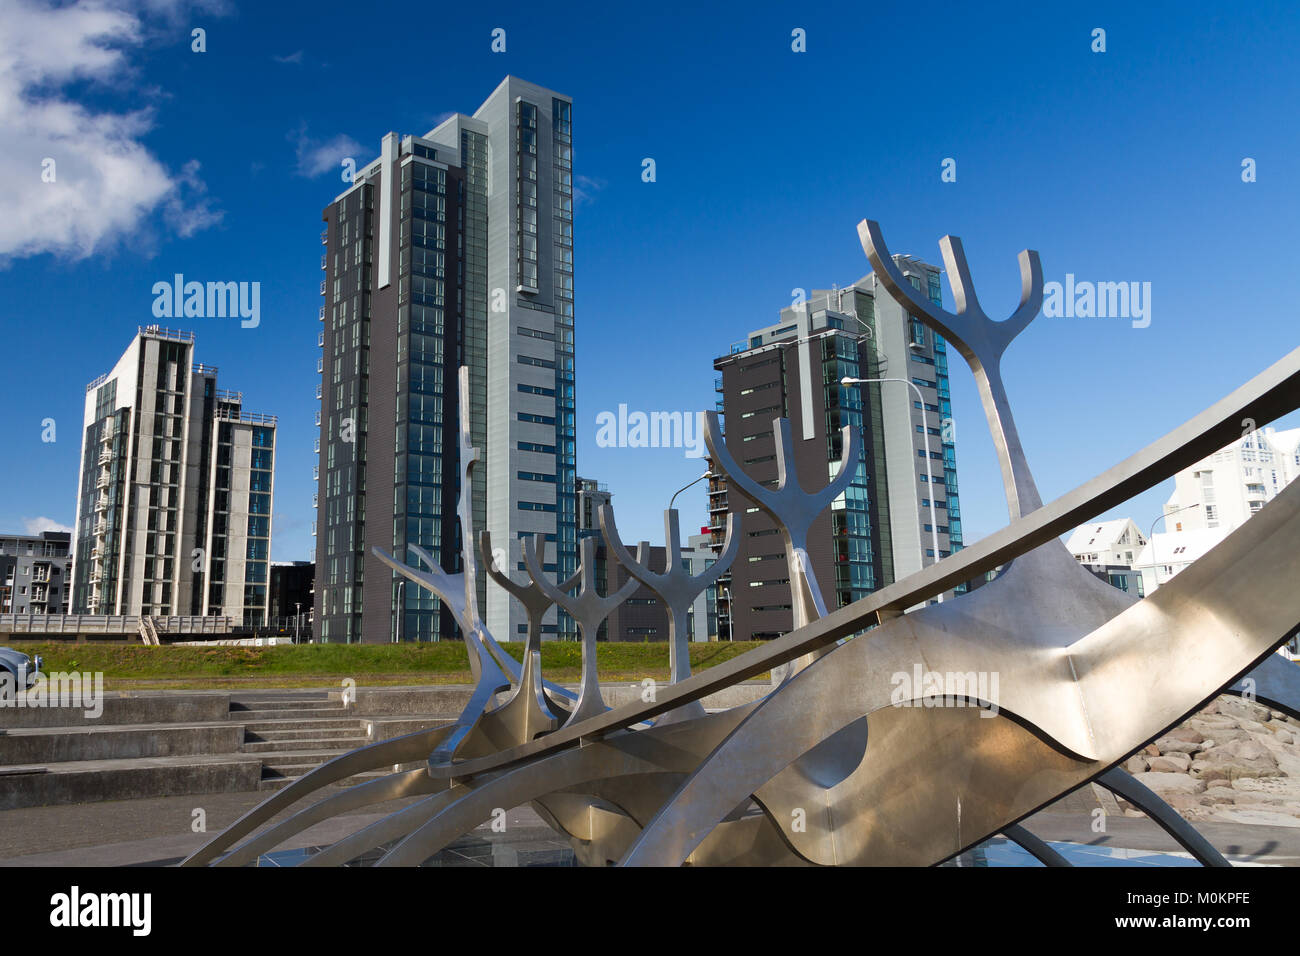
[[1107, 543], [1235, 482], [1169, 552]]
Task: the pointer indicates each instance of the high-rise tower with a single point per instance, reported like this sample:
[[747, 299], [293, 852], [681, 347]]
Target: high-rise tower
[[452, 248], [175, 490]]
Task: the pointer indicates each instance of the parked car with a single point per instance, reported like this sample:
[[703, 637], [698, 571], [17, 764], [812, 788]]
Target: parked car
[[21, 668]]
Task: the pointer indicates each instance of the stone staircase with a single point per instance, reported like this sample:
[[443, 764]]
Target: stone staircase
[[296, 734]]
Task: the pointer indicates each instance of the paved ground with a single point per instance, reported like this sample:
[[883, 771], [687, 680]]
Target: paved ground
[[158, 832]]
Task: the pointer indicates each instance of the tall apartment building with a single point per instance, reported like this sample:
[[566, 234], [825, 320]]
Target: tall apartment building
[[35, 573], [881, 529], [452, 248], [175, 490]]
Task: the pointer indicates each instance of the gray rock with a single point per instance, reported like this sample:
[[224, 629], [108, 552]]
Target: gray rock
[[1243, 709], [1169, 745], [1170, 763], [1163, 783], [1240, 758]]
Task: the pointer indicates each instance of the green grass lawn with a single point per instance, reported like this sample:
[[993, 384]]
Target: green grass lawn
[[137, 666]]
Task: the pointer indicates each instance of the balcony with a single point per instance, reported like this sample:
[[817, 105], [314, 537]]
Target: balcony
[[322, 286], [320, 365], [106, 456], [320, 339], [318, 391], [318, 416], [101, 503], [316, 447], [102, 482], [322, 261], [325, 238], [322, 313], [101, 528]]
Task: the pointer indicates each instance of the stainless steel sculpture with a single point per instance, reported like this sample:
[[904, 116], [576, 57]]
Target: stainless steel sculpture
[[833, 766]]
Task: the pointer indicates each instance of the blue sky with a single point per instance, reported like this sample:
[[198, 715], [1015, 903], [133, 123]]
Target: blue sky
[[1116, 166]]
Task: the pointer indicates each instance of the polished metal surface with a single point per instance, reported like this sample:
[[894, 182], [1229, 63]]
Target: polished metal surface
[[676, 587], [588, 609], [1044, 679]]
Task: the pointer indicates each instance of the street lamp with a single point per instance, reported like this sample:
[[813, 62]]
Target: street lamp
[[707, 474], [297, 621], [925, 429], [1155, 565], [731, 620]]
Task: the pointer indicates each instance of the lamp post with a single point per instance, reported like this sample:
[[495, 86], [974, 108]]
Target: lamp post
[[925, 429], [1155, 565], [297, 621], [707, 474], [731, 620]]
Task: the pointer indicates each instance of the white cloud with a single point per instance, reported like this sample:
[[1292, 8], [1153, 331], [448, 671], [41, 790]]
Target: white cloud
[[585, 189], [37, 525], [104, 179], [294, 58], [316, 157]]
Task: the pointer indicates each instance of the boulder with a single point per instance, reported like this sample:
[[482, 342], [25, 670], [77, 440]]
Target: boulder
[[1164, 783], [1183, 802], [1269, 817], [1239, 758], [1137, 764], [1170, 763], [1243, 709], [1170, 745], [1186, 733]]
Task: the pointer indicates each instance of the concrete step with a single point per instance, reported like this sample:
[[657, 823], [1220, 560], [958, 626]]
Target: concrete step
[[294, 763], [296, 713], [320, 723], [315, 733], [288, 703], [278, 783], [299, 744]]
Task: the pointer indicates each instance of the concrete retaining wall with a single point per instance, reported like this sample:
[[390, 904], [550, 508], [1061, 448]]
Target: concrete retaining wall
[[118, 743], [61, 786], [141, 708]]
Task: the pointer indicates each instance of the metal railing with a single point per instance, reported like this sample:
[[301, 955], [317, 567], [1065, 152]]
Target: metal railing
[[125, 624], [248, 418], [171, 335]]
